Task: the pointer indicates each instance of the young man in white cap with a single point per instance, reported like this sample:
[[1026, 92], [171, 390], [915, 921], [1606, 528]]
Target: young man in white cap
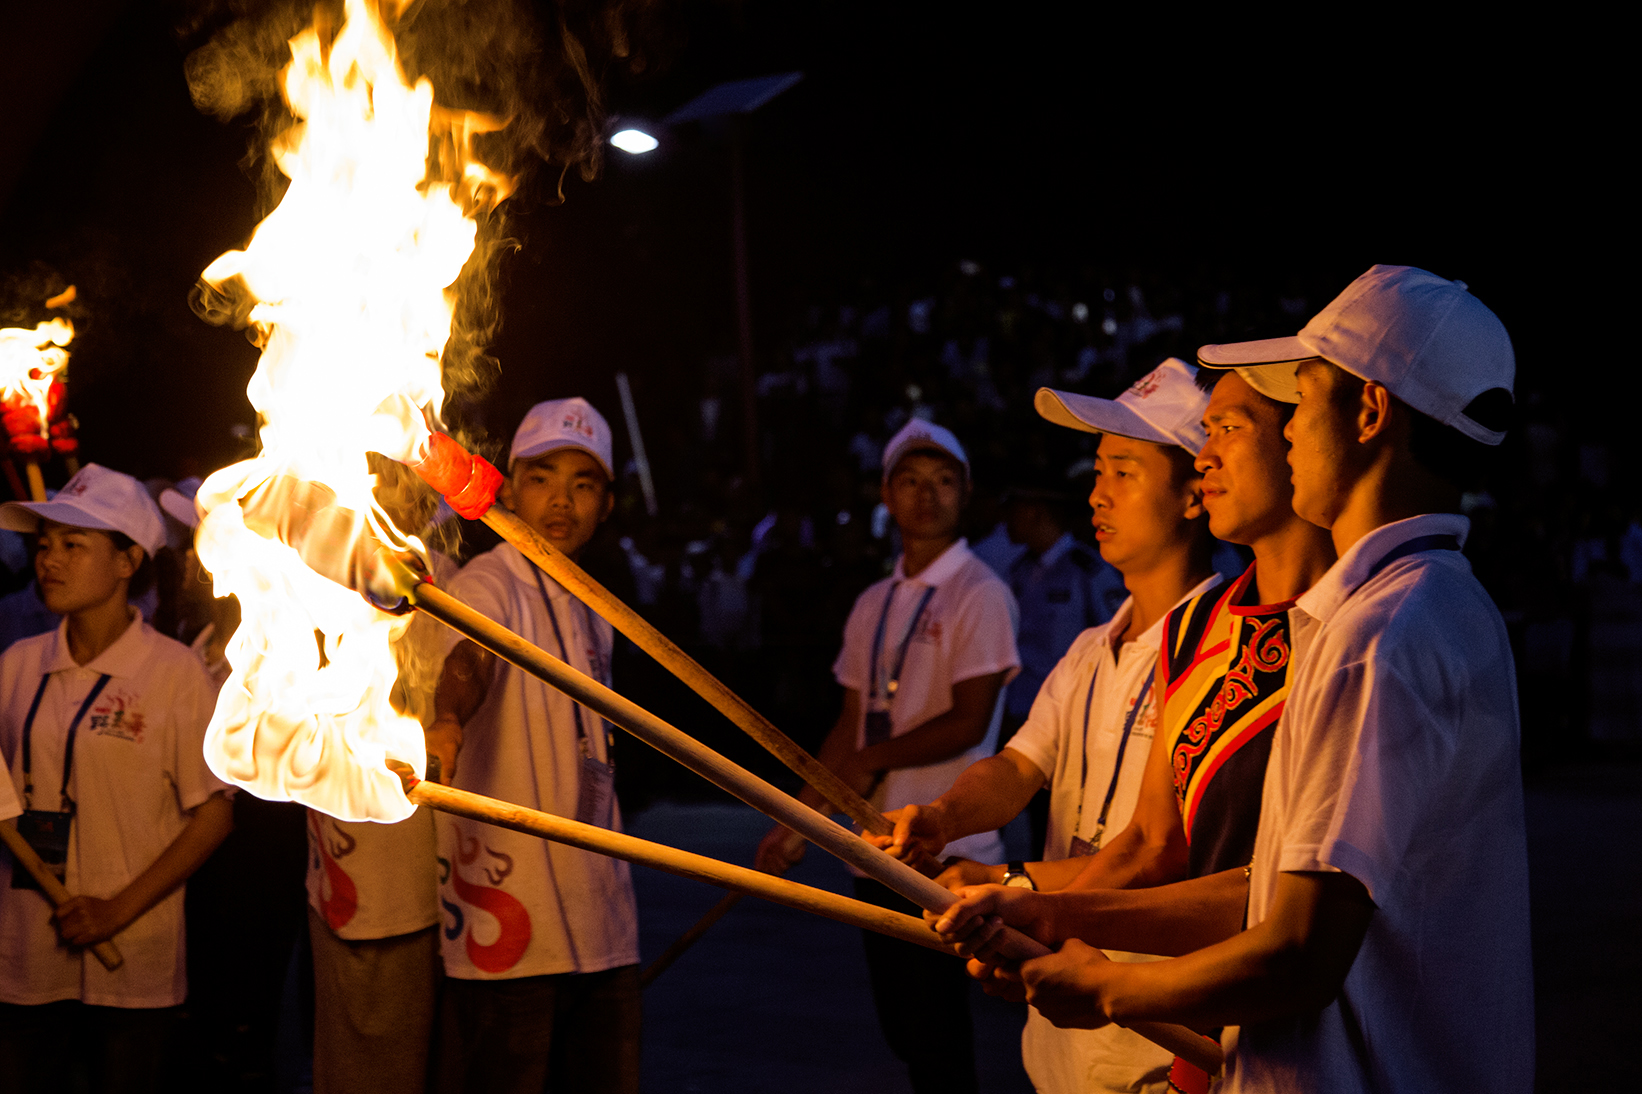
[[102, 724], [1091, 728], [1387, 942], [926, 654], [540, 941]]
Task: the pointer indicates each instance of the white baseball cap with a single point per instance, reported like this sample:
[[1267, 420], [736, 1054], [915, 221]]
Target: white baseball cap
[[178, 501], [919, 435], [564, 423], [95, 498], [1428, 340], [1165, 406]]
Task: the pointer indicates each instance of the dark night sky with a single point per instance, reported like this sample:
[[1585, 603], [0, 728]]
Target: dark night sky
[[1016, 134]]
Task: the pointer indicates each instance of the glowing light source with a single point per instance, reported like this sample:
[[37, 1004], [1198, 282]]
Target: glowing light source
[[635, 142]]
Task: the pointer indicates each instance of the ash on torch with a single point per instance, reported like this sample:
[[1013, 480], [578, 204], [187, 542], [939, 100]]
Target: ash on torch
[[412, 590]]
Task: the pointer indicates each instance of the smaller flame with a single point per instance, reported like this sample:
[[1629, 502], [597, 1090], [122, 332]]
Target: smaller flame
[[30, 361]]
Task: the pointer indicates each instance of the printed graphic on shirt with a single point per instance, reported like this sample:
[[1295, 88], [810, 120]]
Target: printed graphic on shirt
[[482, 908], [116, 714], [1228, 677], [338, 895]]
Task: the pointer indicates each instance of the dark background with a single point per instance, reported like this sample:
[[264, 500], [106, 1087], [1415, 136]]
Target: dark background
[[1073, 148]]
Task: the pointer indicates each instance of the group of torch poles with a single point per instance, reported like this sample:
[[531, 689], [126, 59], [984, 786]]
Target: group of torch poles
[[424, 596]]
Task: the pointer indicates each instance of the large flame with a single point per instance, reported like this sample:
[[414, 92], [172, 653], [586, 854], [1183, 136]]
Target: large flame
[[351, 280], [30, 360]]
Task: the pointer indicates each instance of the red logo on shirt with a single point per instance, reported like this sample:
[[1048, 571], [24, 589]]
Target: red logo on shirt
[[116, 715], [512, 919], [341, 904]]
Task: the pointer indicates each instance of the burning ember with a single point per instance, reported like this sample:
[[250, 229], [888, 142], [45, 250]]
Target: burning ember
[[347, 288], [31, 387]]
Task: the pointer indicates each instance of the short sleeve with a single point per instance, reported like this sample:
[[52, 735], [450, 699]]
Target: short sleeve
[[193, 700], [850, 668], [1040, 736], [9, 805], [984, 638]]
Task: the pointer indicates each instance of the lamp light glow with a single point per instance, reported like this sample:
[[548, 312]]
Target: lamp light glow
[[634, 142]]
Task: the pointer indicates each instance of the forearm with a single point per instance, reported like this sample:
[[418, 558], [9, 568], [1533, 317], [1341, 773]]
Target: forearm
[[1168, 920], [941, 738], [989, 794], [213, 819], [1129, 861]]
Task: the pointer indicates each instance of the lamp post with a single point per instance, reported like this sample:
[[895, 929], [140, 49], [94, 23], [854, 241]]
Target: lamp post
[[733, 101]]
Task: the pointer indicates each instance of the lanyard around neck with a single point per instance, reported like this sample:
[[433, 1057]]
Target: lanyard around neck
[[68, 747], [893, 683], [564, 655], [1122, 747]]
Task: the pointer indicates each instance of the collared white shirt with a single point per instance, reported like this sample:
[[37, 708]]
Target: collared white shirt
[[1396, 761], [966, 630], [517, 905], [1053, 738], [139, 770]]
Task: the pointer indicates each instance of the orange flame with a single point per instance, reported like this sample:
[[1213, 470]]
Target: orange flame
[[351, 277]]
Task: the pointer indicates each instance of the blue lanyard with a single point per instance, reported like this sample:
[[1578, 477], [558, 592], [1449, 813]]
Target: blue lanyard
[[564, 655], [68, 748], [1122, 747], [893, 684], [1413, 546]]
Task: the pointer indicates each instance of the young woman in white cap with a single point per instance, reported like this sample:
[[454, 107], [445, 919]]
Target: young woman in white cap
[[539, 941], [101, 726], [1091, 727], [926, 654], [1386, 945]]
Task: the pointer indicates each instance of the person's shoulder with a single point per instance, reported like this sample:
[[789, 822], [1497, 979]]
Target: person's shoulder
[[25, 654], [1423, 612], [1089, 642], [974, 578], [178, 663]]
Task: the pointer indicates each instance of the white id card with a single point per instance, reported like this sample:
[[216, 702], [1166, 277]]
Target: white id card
[[594, 798]]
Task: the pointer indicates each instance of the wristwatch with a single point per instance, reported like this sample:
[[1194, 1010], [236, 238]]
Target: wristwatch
[[1016, 877]]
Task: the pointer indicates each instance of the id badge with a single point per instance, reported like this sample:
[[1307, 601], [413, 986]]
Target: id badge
[[47, 833], [1081, 848], [879, 729], [594, 797]]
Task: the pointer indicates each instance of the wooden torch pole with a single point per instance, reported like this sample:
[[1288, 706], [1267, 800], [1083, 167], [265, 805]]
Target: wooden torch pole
[[822, 831], [24, 855]]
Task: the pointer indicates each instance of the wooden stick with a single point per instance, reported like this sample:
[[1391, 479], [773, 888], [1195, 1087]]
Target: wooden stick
[[37, 484], [741, 879], [559, 566], [689, 938], [819, 830], [21, 852]]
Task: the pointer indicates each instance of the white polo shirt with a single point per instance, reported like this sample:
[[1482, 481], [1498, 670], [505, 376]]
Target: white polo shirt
[[967, 629], [139, 770], [1079, 766], [516, 905], [1396, 761]]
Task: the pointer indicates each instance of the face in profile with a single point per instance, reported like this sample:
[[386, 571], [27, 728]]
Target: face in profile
[[926, 494], [1244, 463], [564, 495], [80, 568], [1322, 441], [1142, 501]]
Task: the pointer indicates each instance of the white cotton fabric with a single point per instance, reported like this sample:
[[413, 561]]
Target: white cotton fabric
[[1073, 1061], [139, 770], [370, 881], [968, 630], [1396, 761], [515, 905]]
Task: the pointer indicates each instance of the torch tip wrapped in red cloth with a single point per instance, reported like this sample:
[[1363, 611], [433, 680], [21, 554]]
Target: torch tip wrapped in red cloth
[[468, 482]]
